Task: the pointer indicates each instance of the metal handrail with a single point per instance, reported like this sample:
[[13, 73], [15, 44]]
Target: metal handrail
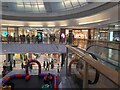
[[116, 65], [106, 71], [113, 42], [102, 47]]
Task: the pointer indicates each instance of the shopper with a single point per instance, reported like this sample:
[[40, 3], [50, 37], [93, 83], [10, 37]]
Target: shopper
[[37, 38], [21, 39], [4, 65], [30, 67], [28, 38], [8, 38], [47, 66], [48, 79], [58, 68], [14, 63], [4, 73], [34, 39], [22, 65], [44, 64], [14, 38], [52, 64], [11, 66]]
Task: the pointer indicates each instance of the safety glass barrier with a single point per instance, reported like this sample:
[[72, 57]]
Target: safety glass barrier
[[84, 67], [108, 56]]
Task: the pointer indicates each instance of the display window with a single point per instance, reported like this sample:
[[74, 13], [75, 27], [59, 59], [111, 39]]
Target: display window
[[4, 33], [80, 34]]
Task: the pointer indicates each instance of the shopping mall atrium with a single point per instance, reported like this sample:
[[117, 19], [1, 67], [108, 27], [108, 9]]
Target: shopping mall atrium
[[59, 44]]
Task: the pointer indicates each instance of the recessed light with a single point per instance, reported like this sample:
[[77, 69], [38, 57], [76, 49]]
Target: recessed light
[[51, 25], [63, 25], [36, 25]]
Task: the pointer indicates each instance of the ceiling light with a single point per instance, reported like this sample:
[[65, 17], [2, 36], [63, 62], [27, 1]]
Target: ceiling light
[[63, 25], [36, 25], [28, 30], [4, 24], [93, 21], [19, 25], [51, 25]]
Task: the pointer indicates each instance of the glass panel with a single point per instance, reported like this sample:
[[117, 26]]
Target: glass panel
[[68, 4], [27, 3], [20, 7], [35, 8], [57, 6], [11, 6], [28, 8], [75, 3], [41, 8], [11, 32], [83, 2], [4, 33]]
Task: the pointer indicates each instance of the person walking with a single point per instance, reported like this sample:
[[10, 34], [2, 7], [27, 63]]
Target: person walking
[[47, 66], [22, 65], [34, 39], [14, 63], [44, 64], [21, 39], [52, 64], [4, 73], [37, 40], [4, 65], [11, 66], [58, 68], [31, 67], [28, 39], [8, 38]]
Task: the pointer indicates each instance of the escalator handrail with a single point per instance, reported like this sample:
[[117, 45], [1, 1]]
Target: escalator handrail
[[99, 58], [101, 46], [105, 70], [97, 74]]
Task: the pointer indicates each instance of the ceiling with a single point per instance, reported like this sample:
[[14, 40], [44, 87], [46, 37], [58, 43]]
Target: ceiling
[[38, 6], [90, 15]]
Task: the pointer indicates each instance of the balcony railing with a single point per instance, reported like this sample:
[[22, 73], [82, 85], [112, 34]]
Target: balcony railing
[[106, 72]]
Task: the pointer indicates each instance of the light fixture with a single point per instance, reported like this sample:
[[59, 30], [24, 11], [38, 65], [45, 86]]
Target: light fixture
[[28, 30], [11, 25], [63, 25], [36, 25], [90, 22], [4, 24], [51, 25], [12, 34], [19, 25]]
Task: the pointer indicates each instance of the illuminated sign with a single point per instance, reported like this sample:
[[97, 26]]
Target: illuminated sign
[[4, 33], [63, 35]]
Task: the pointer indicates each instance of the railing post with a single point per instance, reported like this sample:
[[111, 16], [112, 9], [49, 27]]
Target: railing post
[[85, 76]]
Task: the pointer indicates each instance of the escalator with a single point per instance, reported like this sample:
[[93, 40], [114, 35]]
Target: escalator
[[106, 55], [102, 60]]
